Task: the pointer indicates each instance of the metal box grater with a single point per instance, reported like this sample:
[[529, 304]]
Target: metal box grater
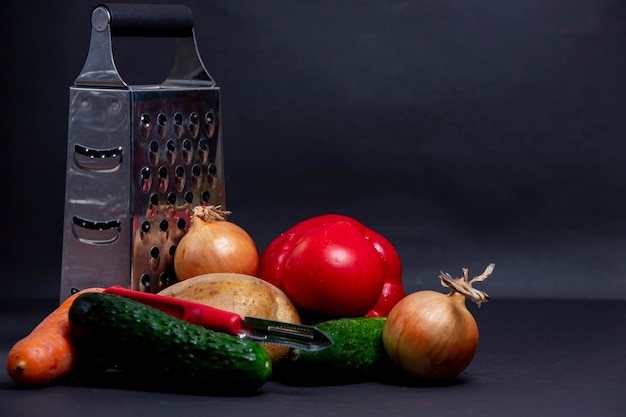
[[139, 158]]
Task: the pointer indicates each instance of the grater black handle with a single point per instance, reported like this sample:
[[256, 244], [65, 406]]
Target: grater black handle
[[145, 20], [142, 20]]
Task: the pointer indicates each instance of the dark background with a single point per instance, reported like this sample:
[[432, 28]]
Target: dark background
[[466, 132]]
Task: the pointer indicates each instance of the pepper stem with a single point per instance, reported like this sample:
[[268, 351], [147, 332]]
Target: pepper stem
[[210, 213], [463, 285]]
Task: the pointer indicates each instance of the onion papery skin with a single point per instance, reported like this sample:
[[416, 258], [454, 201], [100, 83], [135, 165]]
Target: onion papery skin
[[431, 335], [215, 246]]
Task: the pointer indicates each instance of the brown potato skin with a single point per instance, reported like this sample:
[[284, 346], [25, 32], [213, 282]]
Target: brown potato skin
[[243, 294]]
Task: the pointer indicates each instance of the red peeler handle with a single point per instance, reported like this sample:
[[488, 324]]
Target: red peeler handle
[[190, 311]]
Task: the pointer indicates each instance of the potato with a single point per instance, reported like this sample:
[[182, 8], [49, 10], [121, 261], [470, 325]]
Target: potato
[[242, 294]]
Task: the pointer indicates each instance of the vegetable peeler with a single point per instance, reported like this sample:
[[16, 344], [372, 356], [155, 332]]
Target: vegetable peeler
[[260, 330]]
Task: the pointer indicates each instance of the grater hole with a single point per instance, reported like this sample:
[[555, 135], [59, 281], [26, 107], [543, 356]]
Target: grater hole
[[145, 280], [171, 198], [165, 279], [172, 250], [171, 150], [206, 196], [161, 122], [145, 179], [144, 125], [187, 150], [179, 174], [194, 121], [163, 225], [210, 117], [163, 179], [155, 252], [154, 199], [203, 150], [145, 226], [196, 172], [178, 124], [154, 152], [210, 120], [181, 224], [212, 170], [189, 197]]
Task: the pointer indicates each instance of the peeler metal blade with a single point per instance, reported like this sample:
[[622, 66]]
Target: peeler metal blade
[[298, 336]]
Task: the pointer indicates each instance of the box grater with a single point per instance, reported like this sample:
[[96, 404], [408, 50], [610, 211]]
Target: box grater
[[139, 158]]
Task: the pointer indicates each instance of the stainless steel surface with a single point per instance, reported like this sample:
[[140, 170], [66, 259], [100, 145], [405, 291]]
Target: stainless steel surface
[[97, 196], [139, 158]]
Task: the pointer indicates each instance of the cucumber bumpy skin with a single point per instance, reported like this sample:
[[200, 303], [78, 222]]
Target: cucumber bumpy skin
[[357, 353], [147, 342]]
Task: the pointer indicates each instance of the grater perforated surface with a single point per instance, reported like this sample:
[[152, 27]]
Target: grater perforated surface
[[177, 158]]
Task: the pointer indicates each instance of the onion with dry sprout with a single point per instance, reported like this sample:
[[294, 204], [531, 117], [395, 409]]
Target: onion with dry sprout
[[432, 335], [212, 244]]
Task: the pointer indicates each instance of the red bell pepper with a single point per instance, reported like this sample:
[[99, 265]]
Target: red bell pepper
[[335, 265]]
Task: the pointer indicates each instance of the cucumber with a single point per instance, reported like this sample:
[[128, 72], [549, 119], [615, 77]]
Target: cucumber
[[357, 353], [161, 348]]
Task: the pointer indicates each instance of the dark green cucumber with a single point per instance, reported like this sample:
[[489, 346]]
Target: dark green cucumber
[[357, 353], [147, 342]]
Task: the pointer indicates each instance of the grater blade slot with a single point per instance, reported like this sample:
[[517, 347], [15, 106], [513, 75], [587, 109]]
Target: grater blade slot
[[95, 232], [100, 160]]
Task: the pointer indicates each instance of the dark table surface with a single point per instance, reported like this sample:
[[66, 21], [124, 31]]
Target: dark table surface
[[535, 358]]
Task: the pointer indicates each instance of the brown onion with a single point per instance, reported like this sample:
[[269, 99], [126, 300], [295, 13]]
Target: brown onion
[[431, 335], [212, 244]]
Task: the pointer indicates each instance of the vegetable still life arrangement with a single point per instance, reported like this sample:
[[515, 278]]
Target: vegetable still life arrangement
[[322, 304]]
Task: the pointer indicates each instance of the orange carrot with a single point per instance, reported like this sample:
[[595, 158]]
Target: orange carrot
[[47, 353]]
